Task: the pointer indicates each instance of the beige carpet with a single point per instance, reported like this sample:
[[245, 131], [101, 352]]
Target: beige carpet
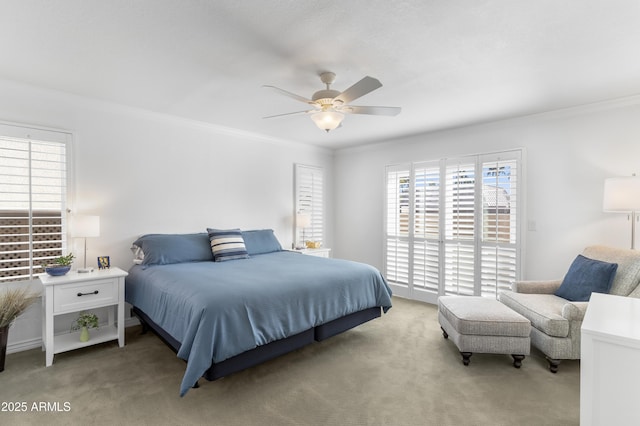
[[395, 370]]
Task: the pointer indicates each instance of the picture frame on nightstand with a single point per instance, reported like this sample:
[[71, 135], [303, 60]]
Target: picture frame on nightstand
[[104, 262]]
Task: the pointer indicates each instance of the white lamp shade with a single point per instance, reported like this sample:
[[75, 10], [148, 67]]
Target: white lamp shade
[[85, 226], [621, 194], [327, 120], [303, 220]]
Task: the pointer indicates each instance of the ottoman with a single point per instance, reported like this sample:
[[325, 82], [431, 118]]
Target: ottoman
[[483, 325]]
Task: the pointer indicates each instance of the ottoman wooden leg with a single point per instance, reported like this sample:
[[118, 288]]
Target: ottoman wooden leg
[[444, 333], [517, 360], [466, 357]]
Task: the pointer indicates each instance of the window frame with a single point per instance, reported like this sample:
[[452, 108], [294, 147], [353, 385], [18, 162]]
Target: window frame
[[23, 133], [309, 198], [437, 248]]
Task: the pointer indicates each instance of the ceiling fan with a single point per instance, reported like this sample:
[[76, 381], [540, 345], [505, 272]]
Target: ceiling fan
[[330, 106]]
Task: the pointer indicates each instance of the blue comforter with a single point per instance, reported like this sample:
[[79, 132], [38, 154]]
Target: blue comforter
[[221, 309]]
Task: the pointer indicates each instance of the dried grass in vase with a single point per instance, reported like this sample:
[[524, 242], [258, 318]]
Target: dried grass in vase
[[13, 302]]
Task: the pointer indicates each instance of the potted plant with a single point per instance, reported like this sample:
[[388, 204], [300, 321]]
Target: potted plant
[[84, 322], [13, 302], [59, 266]]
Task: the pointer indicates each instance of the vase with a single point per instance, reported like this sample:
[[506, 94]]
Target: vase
[[84, 334], [4, 334]]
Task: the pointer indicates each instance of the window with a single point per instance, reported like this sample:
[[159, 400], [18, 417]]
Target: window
[[33, 198], [397, 223], [309, 204], [452, 226]]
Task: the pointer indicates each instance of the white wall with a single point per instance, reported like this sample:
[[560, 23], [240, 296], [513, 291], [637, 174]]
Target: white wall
[[568, 155], [144, 172]]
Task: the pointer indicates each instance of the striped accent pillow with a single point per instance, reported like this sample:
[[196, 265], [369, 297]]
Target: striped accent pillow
[[227, 244]]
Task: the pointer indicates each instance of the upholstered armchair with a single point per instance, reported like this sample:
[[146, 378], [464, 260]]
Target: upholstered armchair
[[556, 321]]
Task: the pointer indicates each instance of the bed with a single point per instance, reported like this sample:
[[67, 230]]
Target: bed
[[222, 316]]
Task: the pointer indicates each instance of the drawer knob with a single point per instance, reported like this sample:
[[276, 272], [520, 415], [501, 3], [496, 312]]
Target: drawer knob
[[85, 294]]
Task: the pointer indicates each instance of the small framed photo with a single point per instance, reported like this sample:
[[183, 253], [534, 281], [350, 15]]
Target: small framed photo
[[103, 262]]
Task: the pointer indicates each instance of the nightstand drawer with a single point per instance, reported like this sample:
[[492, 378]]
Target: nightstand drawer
[[86, 295]]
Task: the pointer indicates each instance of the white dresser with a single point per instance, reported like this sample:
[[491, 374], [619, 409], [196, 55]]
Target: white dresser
[[610, 361]]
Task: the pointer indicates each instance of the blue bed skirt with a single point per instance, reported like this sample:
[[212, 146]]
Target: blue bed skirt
[[271, 350]]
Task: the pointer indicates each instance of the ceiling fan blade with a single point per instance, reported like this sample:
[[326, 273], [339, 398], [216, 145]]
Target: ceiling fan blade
[[361, 88], [289, 113], [289, 94], [372, 110]]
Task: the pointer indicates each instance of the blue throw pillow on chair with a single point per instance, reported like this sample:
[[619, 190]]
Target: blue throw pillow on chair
[[586, 276]]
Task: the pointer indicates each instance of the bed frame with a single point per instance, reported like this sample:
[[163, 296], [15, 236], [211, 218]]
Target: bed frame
[[269, 351]]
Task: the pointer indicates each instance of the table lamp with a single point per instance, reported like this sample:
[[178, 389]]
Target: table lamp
[[85, 227], [303, 220]]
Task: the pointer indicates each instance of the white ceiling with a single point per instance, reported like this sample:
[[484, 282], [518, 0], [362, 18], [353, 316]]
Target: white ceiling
[[446, 63]]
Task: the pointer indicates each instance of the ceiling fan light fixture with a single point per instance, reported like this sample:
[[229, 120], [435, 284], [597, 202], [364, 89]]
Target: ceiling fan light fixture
[[330, 105], [327, 120]]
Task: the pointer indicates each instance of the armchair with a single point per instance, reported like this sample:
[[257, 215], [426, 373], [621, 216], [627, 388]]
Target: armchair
[[556, 322]]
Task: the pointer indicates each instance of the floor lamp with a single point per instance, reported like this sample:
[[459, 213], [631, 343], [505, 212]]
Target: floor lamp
[[85, 227], [622, 195]]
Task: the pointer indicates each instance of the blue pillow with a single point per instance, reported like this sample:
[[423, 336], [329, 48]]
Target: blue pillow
[[261, 241], [586, 276], [163, 249], [227, 244]]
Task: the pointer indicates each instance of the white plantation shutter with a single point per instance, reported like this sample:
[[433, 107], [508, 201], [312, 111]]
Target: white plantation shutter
[[498, 269], [397, 224], [33, 182], [309, 198], [426, 234], [459, 269], [452, 226], [499, 223], [459, 228]]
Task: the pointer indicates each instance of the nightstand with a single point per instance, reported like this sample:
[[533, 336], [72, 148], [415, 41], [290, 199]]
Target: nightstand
[[320, 252], [76, 292]]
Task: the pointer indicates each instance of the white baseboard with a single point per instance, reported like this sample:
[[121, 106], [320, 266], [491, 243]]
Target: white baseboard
[[25, 345]]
